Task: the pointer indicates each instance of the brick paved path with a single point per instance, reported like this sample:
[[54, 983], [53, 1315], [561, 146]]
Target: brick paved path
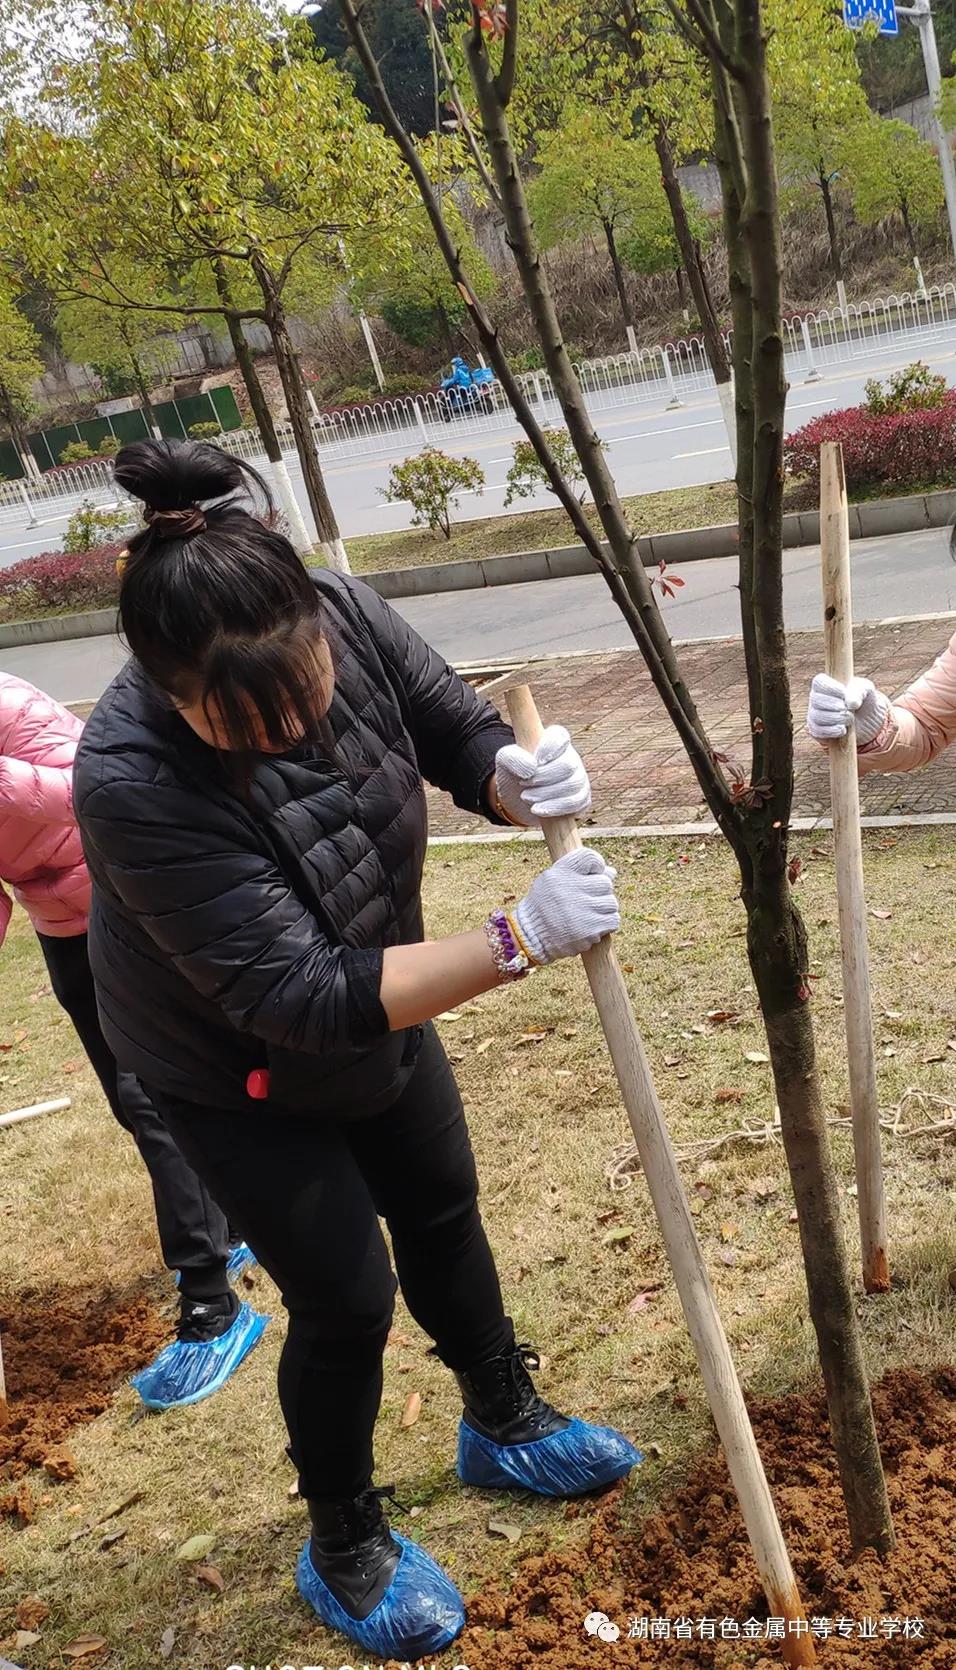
[[638, 768]]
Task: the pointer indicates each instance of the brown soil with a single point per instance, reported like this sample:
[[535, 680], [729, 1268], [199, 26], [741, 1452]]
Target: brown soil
[[693, 1559], [65, 1350]]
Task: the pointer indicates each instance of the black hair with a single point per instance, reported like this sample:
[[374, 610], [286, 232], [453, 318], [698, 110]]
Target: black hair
[[215, 603]]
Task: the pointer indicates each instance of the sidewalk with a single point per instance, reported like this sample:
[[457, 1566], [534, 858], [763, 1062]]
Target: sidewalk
[[639, 771]]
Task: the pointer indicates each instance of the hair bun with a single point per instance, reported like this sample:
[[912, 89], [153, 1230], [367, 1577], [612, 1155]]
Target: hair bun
[[176, 475]]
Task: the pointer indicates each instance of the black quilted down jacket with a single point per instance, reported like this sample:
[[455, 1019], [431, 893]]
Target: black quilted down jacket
[[231, 932]]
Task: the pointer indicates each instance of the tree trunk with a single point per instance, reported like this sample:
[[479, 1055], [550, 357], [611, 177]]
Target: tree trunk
[[681, 292], [776, 938], [293, 388], [18, 435], [444, 326], [285, 492], [908, 229], [836, 256], [139, 377], [618, 271]]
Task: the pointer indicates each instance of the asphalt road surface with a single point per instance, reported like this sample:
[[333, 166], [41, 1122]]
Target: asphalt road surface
[[908, 574], [648, 449]]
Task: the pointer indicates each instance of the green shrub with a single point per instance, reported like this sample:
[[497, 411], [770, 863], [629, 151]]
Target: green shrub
[[914, 388], [108, 447], [76, 452], [91, 526], [205, 431], [527, 473], [430, 482]]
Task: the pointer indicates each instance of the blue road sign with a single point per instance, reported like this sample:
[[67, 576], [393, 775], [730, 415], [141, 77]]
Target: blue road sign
[[881, 12]]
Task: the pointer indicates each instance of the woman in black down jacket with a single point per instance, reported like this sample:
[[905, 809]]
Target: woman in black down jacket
[[250, 795]]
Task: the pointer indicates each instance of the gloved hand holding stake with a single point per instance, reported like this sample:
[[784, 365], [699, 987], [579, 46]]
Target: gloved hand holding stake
[[550, 782], [569, 907], [835, 709]]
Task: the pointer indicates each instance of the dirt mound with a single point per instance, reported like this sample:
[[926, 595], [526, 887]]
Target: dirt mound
[[65, 1350], [693, 1561]]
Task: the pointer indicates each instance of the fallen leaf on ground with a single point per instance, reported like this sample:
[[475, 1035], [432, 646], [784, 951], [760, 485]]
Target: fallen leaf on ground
[[504, 1528], [24, 1638], [212, 1577], [196, 1548], [530, 1038], [728, 1256], [757, 1057], [723, 1096], [448, 1015], [642, 1300], [728, 1231], [933, 1055], [84, 1646], [718, 1016], [485, 1044], [108, 1541], [167, 1642], [882, 915], [412, 1409], [672, 1060]]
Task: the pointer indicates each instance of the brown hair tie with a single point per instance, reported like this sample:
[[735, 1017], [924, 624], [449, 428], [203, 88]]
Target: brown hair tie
[[176, 524]]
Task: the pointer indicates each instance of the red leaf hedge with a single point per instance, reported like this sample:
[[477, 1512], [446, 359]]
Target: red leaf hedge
[[904, 449], [56, 581]]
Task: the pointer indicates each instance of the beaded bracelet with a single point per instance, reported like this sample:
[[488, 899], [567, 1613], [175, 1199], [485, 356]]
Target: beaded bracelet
[[510, 959]]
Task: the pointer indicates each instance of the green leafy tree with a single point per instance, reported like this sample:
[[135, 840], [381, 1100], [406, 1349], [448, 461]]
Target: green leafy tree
[[20, 365], [596, 182], [819, 106], [913, 388], [210, 142], [118, 343], [430, 482], [893, 171], [91, 526]]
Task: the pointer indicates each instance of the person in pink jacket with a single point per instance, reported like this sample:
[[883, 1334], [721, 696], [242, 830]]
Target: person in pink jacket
[[41, 861], [890, 736]]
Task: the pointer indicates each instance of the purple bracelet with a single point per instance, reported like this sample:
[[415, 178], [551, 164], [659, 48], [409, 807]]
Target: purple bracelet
[[509, 959]]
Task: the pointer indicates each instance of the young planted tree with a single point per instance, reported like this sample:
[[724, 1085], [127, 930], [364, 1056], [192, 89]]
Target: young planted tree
[[20, 365], [893, 171], [752, 811], [430, 482]]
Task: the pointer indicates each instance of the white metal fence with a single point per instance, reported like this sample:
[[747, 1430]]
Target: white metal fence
[[662, 375]]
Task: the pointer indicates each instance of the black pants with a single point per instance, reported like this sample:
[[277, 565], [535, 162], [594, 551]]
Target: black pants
[[193, 1232], [308, 1192]]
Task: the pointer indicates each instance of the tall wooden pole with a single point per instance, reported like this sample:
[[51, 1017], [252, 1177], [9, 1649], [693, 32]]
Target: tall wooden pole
[[851, 898], [659, 1161]]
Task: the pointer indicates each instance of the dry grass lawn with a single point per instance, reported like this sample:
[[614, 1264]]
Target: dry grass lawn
[[582, 1267]]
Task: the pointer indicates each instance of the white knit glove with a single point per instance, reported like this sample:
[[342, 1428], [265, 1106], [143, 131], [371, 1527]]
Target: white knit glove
[[568, 908], [836, 708], [550, 783]]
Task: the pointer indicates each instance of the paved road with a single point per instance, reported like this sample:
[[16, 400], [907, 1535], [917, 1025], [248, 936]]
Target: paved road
[[648, 449], [908, 574]]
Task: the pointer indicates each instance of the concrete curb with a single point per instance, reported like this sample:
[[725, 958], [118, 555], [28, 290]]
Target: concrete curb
[[871, 520], [688, 831]]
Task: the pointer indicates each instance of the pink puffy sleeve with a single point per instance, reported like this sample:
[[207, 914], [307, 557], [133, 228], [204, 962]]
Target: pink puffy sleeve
[[921, 724], [6, 911], [40, 793]]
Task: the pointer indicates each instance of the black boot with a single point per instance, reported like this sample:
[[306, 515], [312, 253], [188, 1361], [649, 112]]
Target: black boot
[[501, 1402], [352, 1548]]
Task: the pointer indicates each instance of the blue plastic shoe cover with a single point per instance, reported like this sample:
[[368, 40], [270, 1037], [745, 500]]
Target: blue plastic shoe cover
[[240, 1257], [567, 1463], [420, 1612], [189, 1370]]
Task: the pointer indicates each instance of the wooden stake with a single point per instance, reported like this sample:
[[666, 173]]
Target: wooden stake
[[851, 898], [19, 1114], [717, 1370]]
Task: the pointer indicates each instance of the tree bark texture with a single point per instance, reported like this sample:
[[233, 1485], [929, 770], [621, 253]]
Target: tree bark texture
[[293, 388]]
